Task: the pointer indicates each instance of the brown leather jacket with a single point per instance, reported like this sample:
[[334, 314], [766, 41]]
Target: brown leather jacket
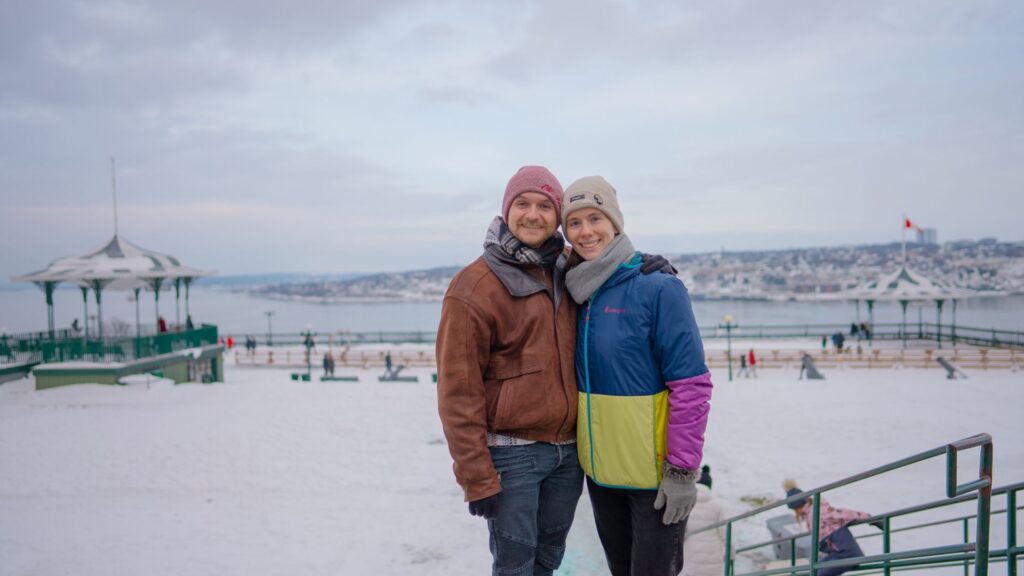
[[504, 364]]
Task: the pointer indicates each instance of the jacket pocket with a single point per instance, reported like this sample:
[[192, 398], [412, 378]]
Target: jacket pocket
[[513, 402], [504, 368]]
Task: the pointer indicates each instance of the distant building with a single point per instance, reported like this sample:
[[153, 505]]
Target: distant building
[[927, 236]]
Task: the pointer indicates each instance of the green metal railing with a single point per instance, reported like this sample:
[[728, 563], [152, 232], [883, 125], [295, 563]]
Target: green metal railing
[[126, 349], [922, 331], [341, 338], [976, 552], [1009, 553], [15, 348], [944, 333]]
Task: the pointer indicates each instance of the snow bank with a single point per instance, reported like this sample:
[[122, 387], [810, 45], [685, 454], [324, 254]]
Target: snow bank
[[264, 475]]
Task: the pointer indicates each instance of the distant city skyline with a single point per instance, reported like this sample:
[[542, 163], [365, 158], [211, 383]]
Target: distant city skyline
[[365, 136]]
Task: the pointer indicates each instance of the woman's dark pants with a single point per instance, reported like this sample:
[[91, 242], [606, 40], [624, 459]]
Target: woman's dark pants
[[635, 541]]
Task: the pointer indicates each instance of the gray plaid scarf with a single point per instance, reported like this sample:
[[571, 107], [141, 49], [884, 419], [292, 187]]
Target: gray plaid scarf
[[499, 236]]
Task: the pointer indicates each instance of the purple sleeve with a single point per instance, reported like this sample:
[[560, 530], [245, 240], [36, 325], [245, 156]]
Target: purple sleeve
[[688, 408]]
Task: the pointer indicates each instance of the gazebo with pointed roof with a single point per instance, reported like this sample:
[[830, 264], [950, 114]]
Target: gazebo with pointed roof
[[906, 286], [116, 265]]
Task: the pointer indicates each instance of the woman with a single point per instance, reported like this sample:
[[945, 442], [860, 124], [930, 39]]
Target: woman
[[643, 388]]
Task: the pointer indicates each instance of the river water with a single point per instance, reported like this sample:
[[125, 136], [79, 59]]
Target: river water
[[238, 313]]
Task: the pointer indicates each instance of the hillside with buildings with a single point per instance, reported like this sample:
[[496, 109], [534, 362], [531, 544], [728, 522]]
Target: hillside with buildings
[[795, 274], [808, 273]]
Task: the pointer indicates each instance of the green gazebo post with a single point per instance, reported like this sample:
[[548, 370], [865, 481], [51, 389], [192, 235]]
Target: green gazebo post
[[903, 324], [155, 284], [177, 301], [48, 287], [97, 287], [188, 282], [85, 312], [138, 326]]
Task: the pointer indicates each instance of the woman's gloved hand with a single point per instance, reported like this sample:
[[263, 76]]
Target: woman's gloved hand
[[676, 494]]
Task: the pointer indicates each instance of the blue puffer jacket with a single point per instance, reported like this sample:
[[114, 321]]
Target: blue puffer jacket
[[644, 388]]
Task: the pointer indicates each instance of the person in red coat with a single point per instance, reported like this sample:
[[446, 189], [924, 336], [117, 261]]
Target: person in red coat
[[752, 362], [161, 324]]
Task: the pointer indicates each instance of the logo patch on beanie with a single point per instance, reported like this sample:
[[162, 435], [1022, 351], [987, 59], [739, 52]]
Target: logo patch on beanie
[[546, 188], [597, 198], [577, 197]]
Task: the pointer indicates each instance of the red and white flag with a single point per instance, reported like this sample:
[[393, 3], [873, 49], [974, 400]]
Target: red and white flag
[[908, 224]]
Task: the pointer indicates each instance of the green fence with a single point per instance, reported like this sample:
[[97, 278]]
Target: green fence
[[973, 550], [15, 348], [888, 331]]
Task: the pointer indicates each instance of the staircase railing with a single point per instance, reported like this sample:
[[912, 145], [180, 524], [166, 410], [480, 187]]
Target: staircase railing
[[974, 552]]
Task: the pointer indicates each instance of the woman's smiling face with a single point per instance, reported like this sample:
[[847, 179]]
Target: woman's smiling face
[[589, 231]]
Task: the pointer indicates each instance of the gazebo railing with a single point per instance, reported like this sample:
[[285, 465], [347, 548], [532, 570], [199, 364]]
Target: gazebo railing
[[127, 349]]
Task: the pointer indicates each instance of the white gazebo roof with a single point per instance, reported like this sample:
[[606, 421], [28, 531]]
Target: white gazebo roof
[[116, 265], [906, 285]]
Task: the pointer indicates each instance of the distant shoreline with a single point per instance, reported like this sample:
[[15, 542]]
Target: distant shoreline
[[696, 297]]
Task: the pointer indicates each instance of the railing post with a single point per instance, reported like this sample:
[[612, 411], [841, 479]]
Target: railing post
[[967, 539], [1011, 532], [984, 511], [815, 533], [728, 550], [887, 543]]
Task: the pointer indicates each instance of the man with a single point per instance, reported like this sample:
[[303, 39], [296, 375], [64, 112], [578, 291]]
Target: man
[[506, 380]]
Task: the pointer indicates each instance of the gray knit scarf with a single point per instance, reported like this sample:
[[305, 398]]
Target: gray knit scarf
[[586, 277]]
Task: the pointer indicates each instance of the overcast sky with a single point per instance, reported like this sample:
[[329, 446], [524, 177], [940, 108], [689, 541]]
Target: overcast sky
[[341, 136]]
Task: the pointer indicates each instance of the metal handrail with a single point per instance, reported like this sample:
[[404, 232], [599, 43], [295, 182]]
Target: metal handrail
[[1009, 491], [880, 331], [979, 489]]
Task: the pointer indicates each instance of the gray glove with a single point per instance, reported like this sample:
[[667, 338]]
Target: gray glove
[[677, 493]]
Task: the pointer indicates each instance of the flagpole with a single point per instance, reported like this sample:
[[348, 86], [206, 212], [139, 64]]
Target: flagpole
[[113, 186], [903, 238]]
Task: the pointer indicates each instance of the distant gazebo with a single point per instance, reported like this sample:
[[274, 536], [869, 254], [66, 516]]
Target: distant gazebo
[[116, 265], [906, 286]]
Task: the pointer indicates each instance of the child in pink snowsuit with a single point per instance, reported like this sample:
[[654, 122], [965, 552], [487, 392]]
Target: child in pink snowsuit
[[834, 537]]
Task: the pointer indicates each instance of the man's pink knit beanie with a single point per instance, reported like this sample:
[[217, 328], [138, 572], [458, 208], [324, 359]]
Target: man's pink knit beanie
[[533, 179]]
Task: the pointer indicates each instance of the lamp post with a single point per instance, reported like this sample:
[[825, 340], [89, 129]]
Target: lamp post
[[728, 341], [307, 341], [270, 331]]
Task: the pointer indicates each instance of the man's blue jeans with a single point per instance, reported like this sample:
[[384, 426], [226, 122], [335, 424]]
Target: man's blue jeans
[[540, 487]]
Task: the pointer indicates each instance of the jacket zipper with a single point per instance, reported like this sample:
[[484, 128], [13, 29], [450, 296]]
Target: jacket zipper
[[586, 378]]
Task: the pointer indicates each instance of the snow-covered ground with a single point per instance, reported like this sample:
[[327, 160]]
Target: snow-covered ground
[[264, 475]]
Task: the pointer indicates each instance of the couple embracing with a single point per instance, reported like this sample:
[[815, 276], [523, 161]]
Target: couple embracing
[[557, 365]]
